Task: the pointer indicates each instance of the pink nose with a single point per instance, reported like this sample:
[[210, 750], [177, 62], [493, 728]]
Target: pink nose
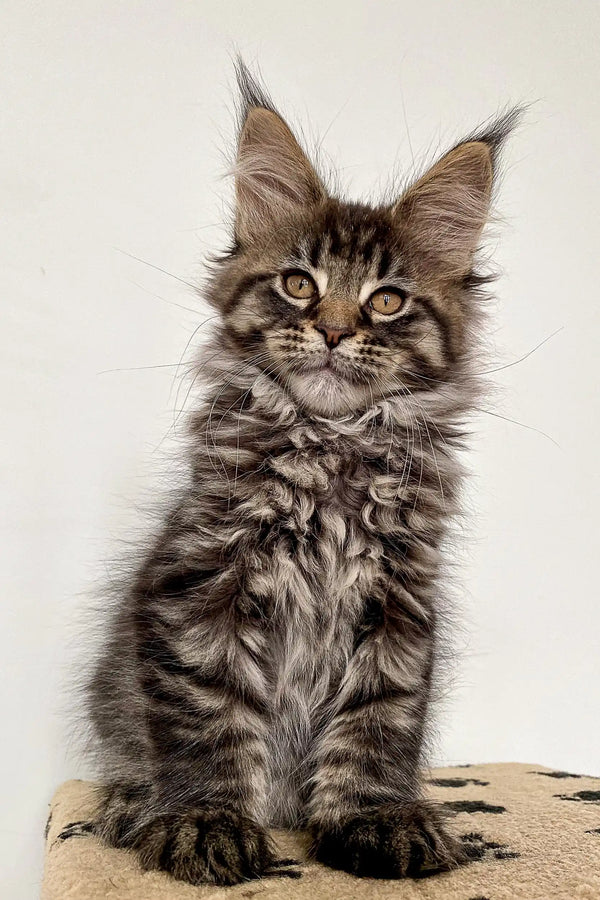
[[333, 335]]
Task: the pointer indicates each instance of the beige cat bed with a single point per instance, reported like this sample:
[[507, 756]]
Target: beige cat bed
[[537, 833]]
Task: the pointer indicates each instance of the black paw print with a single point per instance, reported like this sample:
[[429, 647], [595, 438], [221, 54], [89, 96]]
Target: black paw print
[[477, 847], [75, 829]]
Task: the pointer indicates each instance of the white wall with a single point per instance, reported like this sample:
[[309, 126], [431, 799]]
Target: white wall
[[113, 116]]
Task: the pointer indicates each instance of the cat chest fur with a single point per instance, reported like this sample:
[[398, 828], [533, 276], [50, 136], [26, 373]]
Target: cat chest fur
[[315, 580]]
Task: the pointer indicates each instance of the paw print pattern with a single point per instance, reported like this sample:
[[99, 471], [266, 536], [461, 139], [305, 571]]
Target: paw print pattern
[[457, 782], [556, 774], [472, 806], [477, 848], [75, 829], [581, 797]]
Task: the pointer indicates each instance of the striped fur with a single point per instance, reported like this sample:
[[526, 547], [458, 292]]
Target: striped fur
[[271, 663]]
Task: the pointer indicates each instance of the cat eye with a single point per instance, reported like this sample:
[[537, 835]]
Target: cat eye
[[386, 302], [299, 285]]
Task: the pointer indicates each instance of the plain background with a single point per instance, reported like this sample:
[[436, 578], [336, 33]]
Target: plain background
[[113, 127]]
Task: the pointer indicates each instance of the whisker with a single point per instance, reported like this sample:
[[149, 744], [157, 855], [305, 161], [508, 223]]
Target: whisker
[[164, 299], [138, 368], [158, 268], [526, 355], [488, 412]]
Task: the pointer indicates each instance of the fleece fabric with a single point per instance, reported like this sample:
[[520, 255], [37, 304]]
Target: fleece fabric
[[536, 832]]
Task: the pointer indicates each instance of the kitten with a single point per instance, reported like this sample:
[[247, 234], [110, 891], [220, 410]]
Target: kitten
[[271, 663]]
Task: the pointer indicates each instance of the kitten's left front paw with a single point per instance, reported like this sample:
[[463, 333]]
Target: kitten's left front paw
[[395, 841]]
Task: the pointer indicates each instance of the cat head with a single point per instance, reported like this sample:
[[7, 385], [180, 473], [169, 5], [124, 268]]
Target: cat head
[[344, 303]]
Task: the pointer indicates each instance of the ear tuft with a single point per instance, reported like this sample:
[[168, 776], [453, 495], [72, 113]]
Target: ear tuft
[[494, 133], [251, 92], [273, 176], [443, 214]]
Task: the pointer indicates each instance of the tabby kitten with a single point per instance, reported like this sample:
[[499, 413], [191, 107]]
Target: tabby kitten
[[271, 662]]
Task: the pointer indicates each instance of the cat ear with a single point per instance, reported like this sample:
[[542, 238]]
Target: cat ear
[[443, 214], [273, 175]]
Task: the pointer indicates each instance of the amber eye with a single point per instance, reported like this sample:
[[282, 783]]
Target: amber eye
[[386, 302], [299, 285]]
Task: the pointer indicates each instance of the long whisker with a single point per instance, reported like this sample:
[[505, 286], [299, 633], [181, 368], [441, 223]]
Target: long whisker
[[496, 415], [164, 299], [158, 268], [526, 355], [181, 358], [209, 431], [139, 368]]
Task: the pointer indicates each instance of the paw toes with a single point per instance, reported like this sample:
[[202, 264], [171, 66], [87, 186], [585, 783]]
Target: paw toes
[[207, 847], [257, 848], [393, 842]]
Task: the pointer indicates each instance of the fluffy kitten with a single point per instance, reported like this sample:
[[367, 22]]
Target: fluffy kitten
[[272, 660]]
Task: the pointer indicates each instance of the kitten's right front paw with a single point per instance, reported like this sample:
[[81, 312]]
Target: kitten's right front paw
[[208, 847]]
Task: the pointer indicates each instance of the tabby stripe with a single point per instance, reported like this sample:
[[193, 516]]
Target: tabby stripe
[[385, 262], [442, 324], [315, 250], [245, 285], [367, 695]]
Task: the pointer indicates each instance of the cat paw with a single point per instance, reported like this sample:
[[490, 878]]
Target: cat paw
[[209, 847], [396, 841]]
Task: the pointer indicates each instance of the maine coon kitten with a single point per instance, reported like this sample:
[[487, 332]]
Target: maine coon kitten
[[271, 663]]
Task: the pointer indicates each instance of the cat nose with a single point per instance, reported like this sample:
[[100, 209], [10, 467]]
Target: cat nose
[[334, 335]]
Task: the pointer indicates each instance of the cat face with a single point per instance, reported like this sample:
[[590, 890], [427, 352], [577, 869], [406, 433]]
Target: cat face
[[334, 309], [343, 303]]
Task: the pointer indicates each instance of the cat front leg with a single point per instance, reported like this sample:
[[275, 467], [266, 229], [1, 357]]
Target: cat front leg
[[196, 843], [365, 812], [200, 816]]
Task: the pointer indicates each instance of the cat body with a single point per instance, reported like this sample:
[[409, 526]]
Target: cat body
[[271, 663]]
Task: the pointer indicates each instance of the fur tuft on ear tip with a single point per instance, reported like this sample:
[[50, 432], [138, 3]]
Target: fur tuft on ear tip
[[444, 212], [252, 94], [495, 131], [273, 175]]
